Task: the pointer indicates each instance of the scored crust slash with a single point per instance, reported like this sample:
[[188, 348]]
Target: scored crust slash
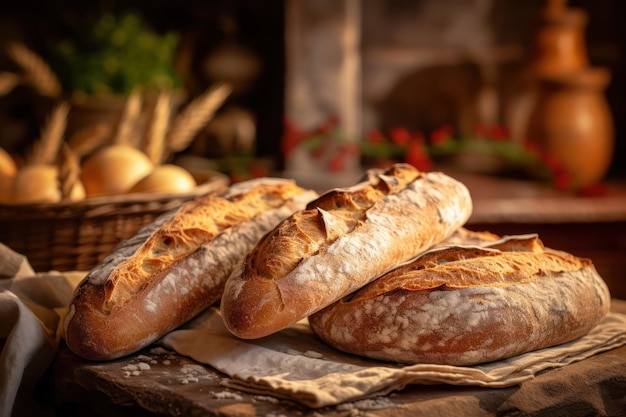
[[340, 242]]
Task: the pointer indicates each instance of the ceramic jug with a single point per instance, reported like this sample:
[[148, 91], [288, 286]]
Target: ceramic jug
[[572, 122]]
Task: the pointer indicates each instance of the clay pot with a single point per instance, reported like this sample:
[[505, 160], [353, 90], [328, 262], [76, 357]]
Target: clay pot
[[572, 122], [559, 41]]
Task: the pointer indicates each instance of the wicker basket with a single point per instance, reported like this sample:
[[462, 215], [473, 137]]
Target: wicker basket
[[76, 236]]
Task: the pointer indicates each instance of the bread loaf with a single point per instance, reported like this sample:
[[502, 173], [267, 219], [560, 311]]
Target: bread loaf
[[339, 243], [174, 268], [467, 304]]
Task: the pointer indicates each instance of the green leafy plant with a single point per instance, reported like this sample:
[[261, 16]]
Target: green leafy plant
[[114, 55]]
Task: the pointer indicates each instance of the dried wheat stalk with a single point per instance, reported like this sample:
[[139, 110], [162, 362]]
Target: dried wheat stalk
[[126, 131], [68, 170], [38, 73], [154, 145], [195, 116], [86, 140], [46, 149], [8, 81]]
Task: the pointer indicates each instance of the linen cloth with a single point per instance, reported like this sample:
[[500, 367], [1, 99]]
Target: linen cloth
[[31, 310], [296, 365]]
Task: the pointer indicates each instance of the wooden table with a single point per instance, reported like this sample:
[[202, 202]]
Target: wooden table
[[177, 386]]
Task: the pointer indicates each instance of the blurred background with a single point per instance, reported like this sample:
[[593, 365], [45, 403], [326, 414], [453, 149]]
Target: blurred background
[[522, 101], [301, 69]]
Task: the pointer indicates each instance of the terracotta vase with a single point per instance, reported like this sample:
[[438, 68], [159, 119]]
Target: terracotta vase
[[559, 40], [572, 122]]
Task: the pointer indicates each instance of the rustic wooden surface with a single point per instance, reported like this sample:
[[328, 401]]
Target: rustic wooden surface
[[162, 383], [507, 200]]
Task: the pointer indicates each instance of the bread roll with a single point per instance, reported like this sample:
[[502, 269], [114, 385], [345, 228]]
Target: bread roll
[[174, 268], [464, 305], [339, 243]]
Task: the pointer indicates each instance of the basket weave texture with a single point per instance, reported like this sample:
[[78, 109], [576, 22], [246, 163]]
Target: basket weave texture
[[76, 236]]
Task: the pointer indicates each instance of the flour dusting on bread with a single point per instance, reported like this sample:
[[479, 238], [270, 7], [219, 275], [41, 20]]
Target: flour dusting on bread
[[340, 242], [463, 305], [174, 268]]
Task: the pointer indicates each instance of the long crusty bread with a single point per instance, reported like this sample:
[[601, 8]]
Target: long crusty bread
[[467, 304], [174, 268], [339, 243]]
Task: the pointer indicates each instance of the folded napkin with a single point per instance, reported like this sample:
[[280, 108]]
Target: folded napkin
[[296, 365], [31, 310]]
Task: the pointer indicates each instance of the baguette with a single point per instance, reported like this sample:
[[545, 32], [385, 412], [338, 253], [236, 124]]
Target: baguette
[[465, 305], [174, 268], [339, 243]]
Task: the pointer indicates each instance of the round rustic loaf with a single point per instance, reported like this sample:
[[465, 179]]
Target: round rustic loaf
[[465, 305]]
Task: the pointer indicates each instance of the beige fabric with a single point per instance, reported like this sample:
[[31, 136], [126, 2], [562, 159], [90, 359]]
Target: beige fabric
[[32, 307], [295, 364]]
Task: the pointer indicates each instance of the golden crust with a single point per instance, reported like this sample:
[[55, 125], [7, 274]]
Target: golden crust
[[174, 268], [196, 223], [516, 260], [332, 215]]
